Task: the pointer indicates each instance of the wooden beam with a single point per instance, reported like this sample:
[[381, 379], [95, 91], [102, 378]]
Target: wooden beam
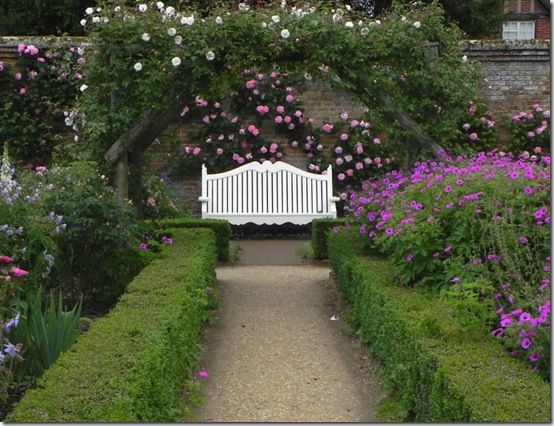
[[146, 129]]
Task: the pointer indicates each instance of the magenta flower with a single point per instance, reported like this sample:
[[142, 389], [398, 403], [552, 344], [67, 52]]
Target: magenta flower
[[203, 373], [17, 272], [327, 128], [534, 357], [526, 343], [448, 188], [522, 239], [143, 246], [409, 258], [455, 280], [5, 259]]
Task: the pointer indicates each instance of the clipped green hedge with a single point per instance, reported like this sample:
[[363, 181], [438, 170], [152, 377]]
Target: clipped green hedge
[[320, 232], [130, 366], [221, 228], [437, 371]]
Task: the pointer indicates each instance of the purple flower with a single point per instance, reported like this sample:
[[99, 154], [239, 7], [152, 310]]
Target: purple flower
[[526, 343], [534, 357], [12, 323], [455, 280], [522, 239], [447, 249], [448, 188], [524, 317], [409, 258], [389, 231], [11, 350], [335, 229], [143, 246]]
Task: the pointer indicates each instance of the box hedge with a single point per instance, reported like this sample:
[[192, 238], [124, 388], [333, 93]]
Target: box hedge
[[130, 366], [437, 370], [221, 229], [320, 232]]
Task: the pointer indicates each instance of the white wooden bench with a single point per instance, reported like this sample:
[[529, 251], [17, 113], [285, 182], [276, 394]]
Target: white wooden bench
[[267, 193]]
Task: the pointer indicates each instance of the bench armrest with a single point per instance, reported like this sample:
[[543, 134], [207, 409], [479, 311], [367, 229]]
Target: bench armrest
[[203, 199], [334, 199]]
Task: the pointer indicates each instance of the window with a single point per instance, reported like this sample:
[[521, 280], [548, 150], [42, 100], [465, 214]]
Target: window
[[518, 30]]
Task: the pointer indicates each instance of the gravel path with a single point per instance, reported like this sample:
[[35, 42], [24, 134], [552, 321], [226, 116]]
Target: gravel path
[[274, 355]]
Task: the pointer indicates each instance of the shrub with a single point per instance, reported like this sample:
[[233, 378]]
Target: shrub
[[530, 130], [438, 370], [221, 229], [453, 222], [99, 232], [157, 202], [320, 232], [131, 364]]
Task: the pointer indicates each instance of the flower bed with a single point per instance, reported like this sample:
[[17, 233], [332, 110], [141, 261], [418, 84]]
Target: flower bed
[[131, 364], [438, 370]]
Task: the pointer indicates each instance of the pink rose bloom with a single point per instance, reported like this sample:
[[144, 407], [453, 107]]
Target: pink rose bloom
[[310, 154], [377, 160], [350, 172], [288, 119], [5, 259], [359, 166], [327, 127], [343, 137], [531, 134], [319, 147], [240, 160], [17, 272], [206, 119], [260, 76], [263, 149], [196, 151], [289, 89], [291, 126], [262, 109], [280, 109], [250, 84], [537, 150], [235, 156], [278, 119], [339, 161], [21, 48], [473, 136], [7, 278], [289, 98], [221, 137], [234, 120], [341, 176], [255, 92], [151, 202], [273, 74], [359, 149], [1, 66], [42, 60], [546, 113], [273, 148], [273, 159], [18, 76], [348, 158], [294, 144], [354, 123], [219, 151], [22, 91], [254, 130], [298, 114], [338, 150], [368, 160], [376, 141]]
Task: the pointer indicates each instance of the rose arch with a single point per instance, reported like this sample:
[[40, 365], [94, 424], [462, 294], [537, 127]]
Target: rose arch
[[149, 61]]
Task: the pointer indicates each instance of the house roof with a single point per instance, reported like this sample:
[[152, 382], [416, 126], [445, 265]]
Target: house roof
[[545, 3]]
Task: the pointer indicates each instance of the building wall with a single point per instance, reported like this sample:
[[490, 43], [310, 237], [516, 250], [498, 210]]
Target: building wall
[[530, 10]]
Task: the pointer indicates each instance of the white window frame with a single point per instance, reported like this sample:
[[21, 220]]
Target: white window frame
[[518, 30]]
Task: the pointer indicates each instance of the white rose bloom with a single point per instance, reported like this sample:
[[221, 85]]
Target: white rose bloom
[[76, 138], [137, 66], [83, 22], [264, 24], [160, 5], [276, 19], [285, 33], [464, 58], [349, 24], [187, 20], [218, 20], [403, 18], [244, 7], [145, 36], [172, 31], [69, 121], [178, 40], [337, 17], [210, 55], [105, 20], [283, 4], [378, 22], [142, 8], [80, 51], [95, 19], [364, 31], [89, 11], [360, 23], [176, 61], [169, 11], [117, 9], [99, 9], [417, 24], [83, 88]]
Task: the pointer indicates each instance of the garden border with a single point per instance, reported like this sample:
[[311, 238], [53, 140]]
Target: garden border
[[130, 366], [437, 371]]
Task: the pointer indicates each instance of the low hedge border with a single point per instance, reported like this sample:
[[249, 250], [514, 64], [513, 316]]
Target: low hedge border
[[130, 366], [437, 372], [221, 228], [320, 233]]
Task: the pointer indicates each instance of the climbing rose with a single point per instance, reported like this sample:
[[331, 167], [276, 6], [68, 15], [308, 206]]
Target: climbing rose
[[19, 272]]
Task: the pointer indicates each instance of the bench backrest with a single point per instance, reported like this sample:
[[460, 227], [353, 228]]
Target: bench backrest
[[258, 189]]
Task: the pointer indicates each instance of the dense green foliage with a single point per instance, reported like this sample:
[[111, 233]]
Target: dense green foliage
[[28, 17], [220, 228], [131, 364], [320, 233], [438, 363]]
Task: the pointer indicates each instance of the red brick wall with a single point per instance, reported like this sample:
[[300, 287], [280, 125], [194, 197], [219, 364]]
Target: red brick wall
[[542, 29]]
